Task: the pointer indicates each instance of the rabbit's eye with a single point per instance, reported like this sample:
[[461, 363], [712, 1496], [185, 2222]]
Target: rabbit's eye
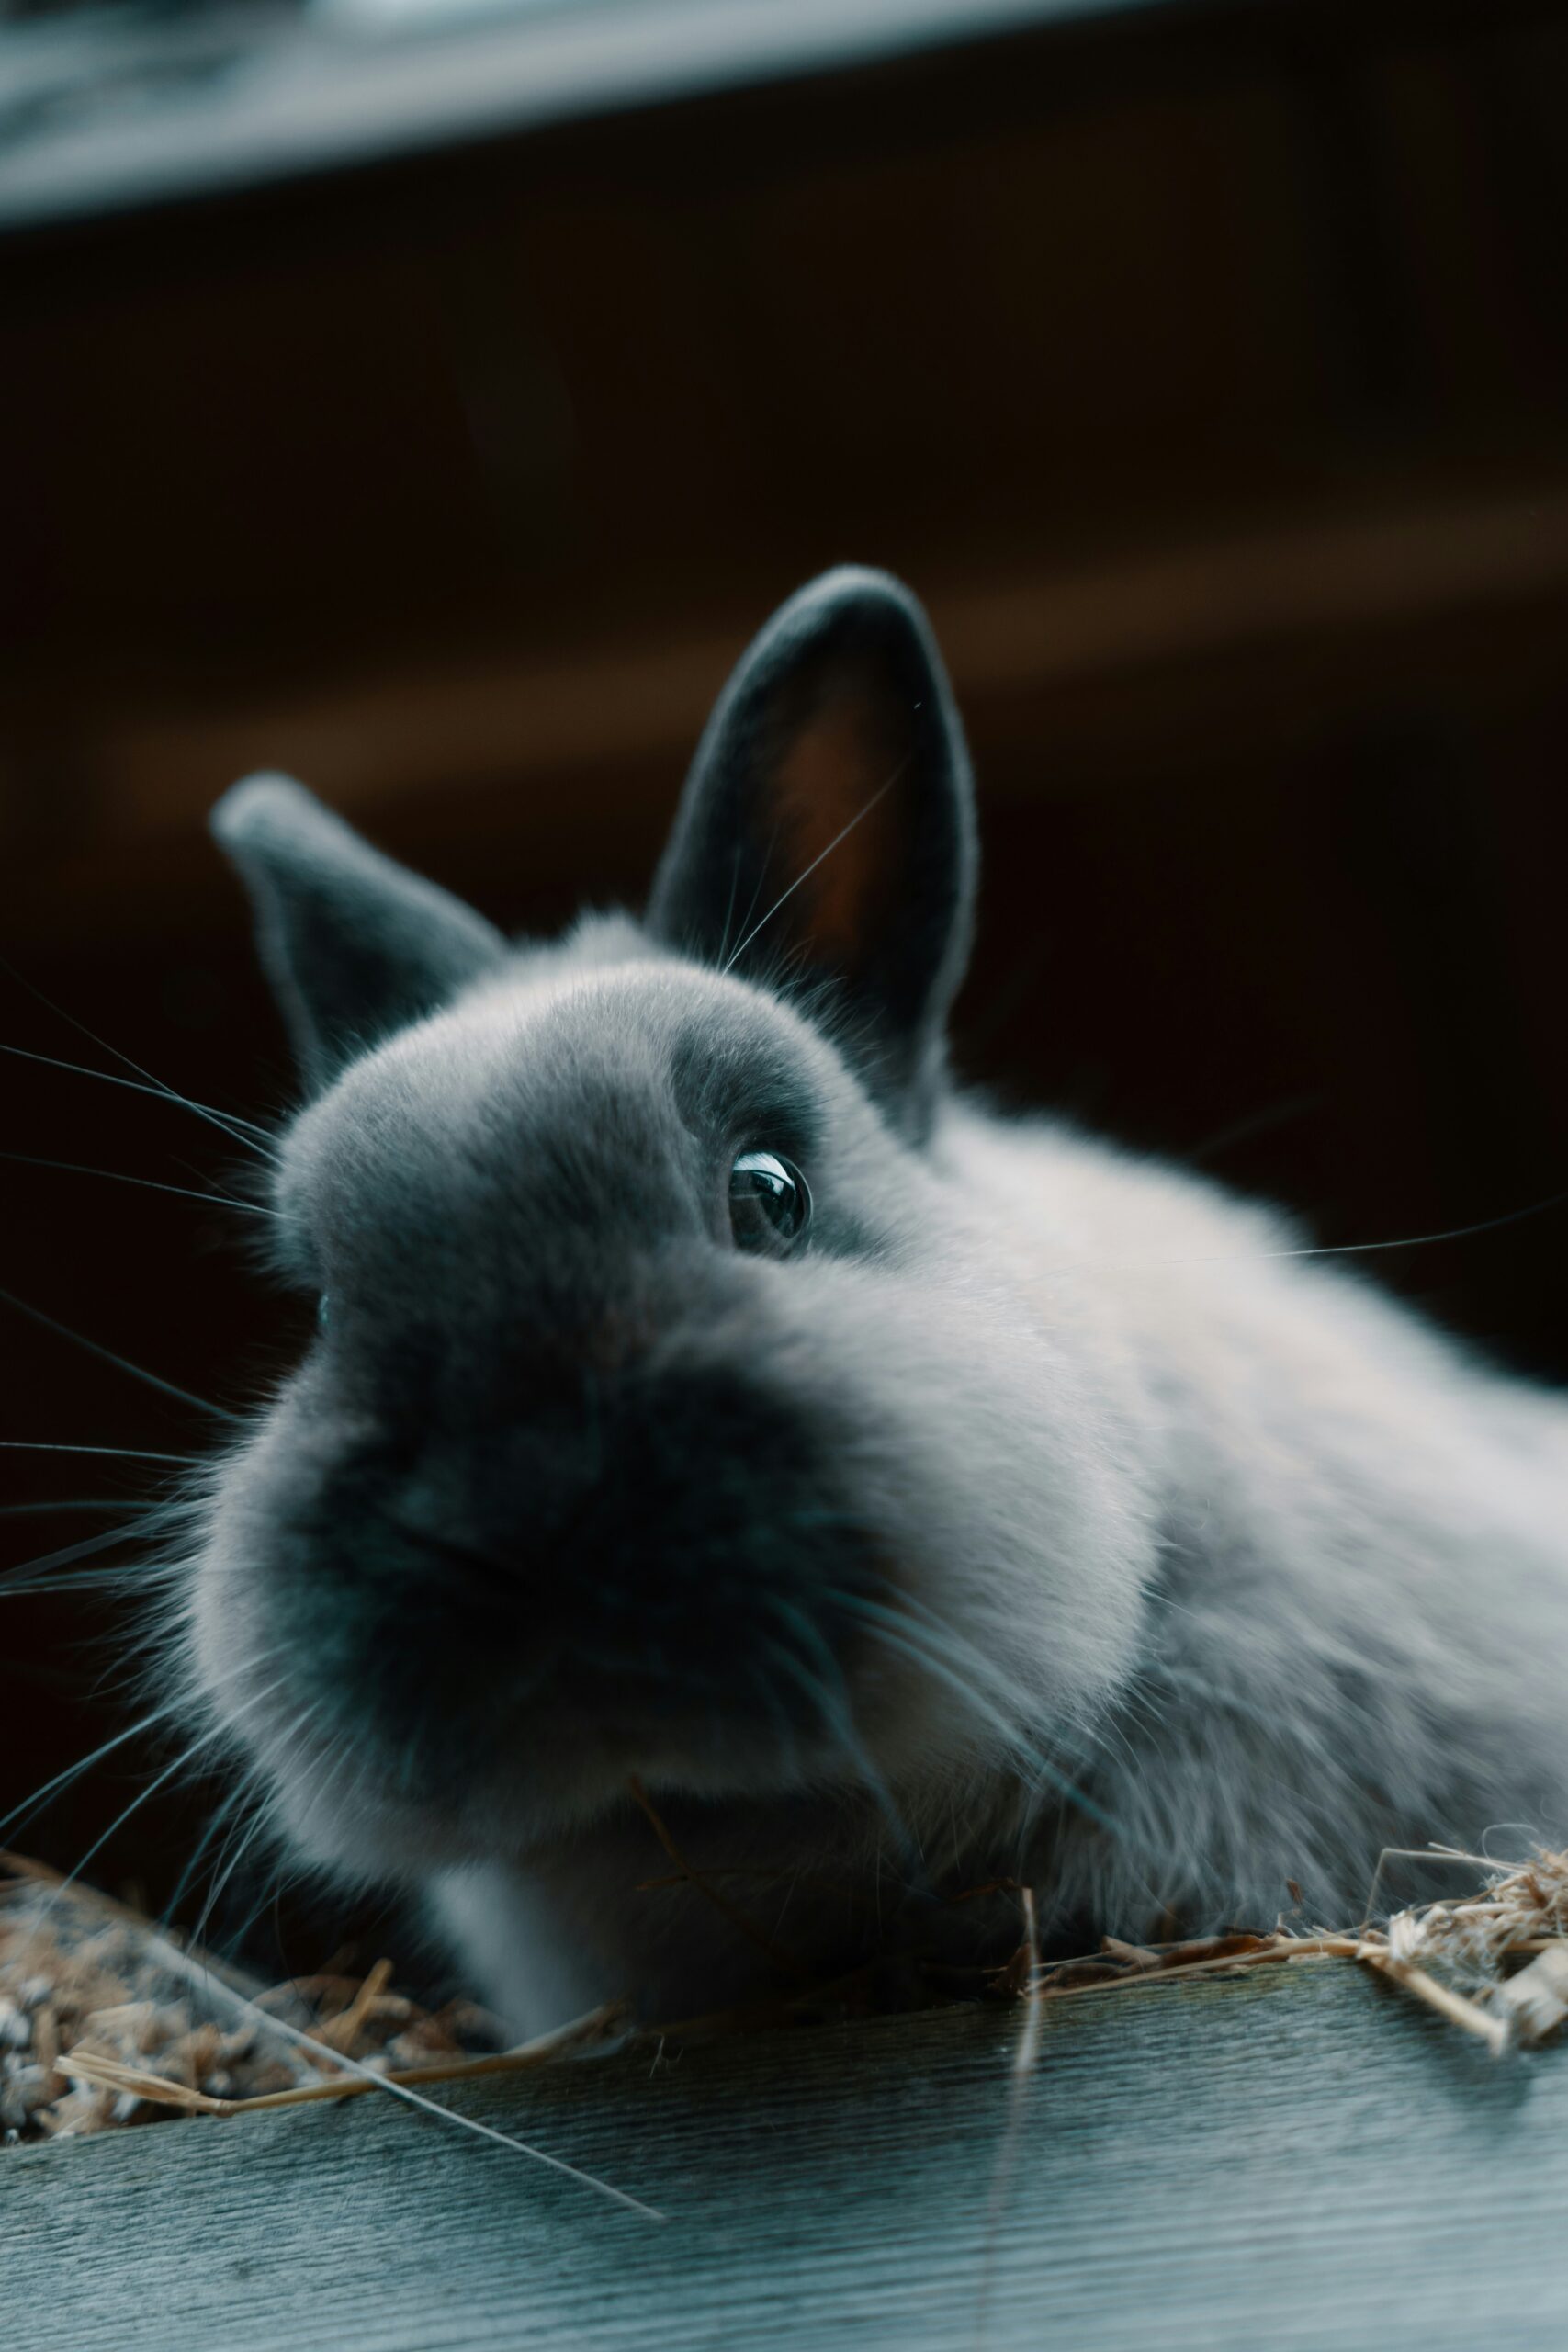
[[770, 1206]]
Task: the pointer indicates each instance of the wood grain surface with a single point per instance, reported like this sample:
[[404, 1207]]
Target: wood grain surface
[[1295, 2159]]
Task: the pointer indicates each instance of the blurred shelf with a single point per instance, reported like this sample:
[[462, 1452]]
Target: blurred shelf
[[103, 109]]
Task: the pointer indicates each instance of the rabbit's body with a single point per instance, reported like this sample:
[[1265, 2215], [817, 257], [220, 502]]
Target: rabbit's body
[[985, 1503], [1359, 1591]]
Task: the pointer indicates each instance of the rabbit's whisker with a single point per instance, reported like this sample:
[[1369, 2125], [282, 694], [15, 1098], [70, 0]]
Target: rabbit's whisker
[[228, 1122], [729, 908], [830, 1692], [33, 1805], [905, 1636], [61, 1505], [82, 1580], [841, 835], [220, 1813], [181, 1763], [1117, 1264], [239, 1842], [29, 1806], [254, 1140], [145, 1183], [118, 1452], [275, 1886], [108, 1355], [789, 1746], [68, 1553]]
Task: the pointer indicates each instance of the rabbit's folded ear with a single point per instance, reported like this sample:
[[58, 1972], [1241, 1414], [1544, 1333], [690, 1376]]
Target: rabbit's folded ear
[[355, 945], [824, 842]]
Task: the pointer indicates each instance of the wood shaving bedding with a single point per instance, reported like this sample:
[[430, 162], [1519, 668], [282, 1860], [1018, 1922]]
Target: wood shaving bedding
[[98, 2029]]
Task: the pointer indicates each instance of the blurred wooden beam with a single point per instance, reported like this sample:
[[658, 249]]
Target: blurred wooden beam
[[467, 720]]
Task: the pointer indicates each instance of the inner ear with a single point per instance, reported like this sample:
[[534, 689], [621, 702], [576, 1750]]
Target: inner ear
[[837, 833], [824, 845]]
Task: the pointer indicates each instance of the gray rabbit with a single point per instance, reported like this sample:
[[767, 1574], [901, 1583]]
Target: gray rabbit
[[712, 1403]]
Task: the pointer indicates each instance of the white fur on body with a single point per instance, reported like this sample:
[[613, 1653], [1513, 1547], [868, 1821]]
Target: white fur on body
[[1351, 1540]]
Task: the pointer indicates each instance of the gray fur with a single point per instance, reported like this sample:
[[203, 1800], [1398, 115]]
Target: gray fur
[[355, 945], [1046, 1514]]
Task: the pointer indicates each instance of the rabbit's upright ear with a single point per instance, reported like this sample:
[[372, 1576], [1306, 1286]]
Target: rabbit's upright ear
[[355, 947], [827, 831]]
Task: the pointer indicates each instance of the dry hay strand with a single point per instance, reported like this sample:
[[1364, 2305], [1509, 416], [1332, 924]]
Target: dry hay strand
[[703, 1883], [1457, 1957]]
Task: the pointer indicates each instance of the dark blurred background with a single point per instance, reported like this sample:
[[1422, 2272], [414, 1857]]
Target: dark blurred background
[[1205, 368]]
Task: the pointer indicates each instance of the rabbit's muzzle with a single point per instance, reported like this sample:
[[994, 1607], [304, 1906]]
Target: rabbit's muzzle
[[640, 1556]]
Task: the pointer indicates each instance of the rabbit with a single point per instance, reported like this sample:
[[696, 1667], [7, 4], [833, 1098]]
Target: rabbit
[[717, 1414]]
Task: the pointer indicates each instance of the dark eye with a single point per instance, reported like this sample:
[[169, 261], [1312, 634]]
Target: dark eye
[[770, 1206]]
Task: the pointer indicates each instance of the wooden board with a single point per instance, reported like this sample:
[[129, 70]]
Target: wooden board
[[1297, 2159]]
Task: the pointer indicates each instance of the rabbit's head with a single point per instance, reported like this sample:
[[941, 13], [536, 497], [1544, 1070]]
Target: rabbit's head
[[674, 1411]]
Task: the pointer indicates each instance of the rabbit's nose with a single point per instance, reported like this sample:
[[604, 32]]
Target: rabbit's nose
[[615, 1341]]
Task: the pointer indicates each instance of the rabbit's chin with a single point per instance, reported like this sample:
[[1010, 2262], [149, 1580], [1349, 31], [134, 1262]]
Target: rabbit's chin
[[364, 1824]]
